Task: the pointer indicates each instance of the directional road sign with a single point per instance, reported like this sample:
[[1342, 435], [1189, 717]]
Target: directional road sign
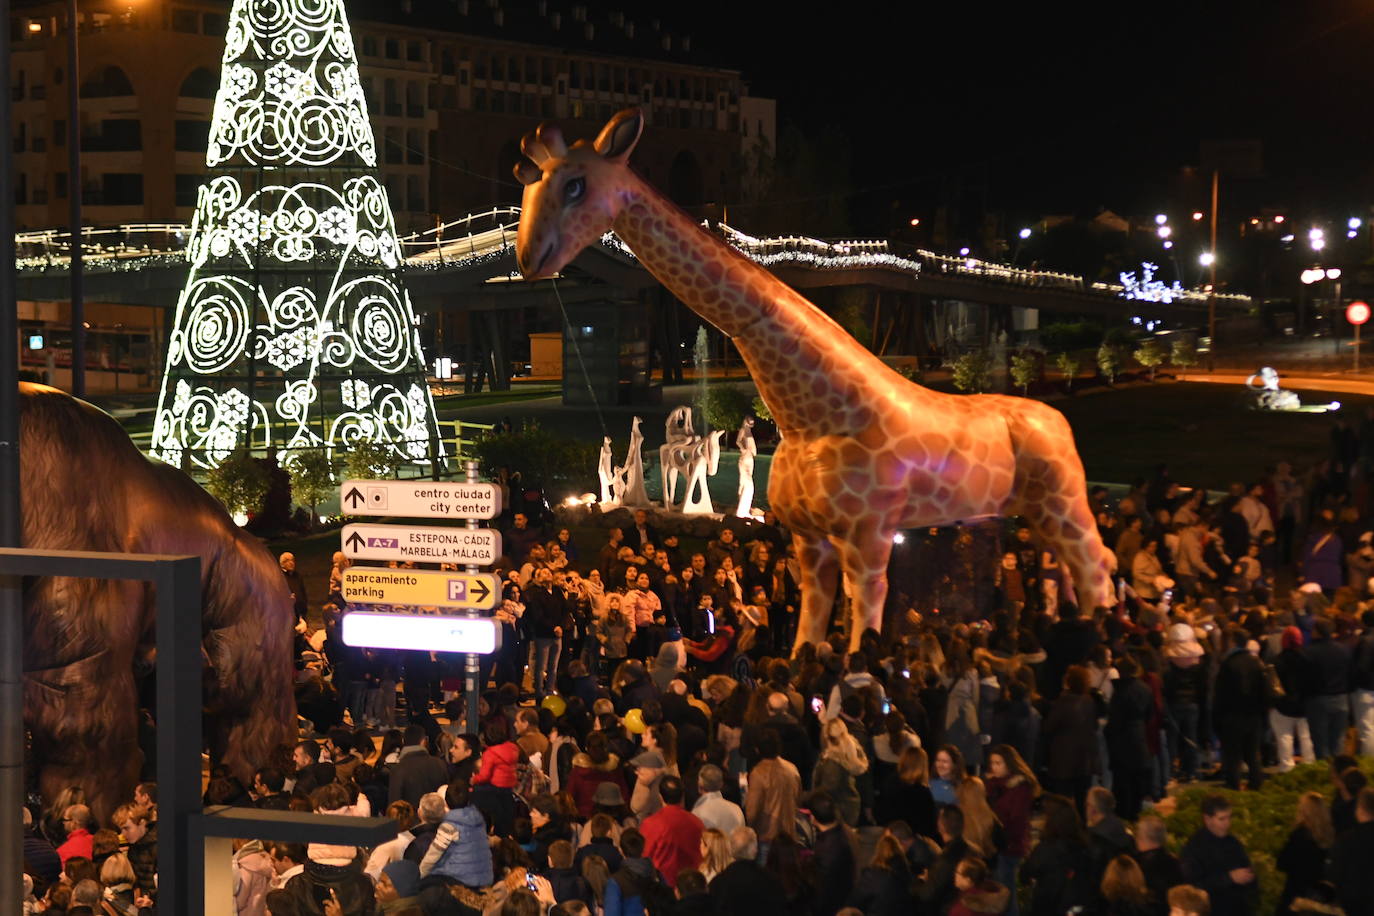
[[478, 546], [420, 588], [480, 635], [420, 499]]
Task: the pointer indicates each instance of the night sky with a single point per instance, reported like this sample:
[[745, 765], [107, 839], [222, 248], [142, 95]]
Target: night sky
[[1055, 108]]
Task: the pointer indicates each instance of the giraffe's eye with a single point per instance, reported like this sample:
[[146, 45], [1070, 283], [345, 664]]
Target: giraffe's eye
[[573, 190]]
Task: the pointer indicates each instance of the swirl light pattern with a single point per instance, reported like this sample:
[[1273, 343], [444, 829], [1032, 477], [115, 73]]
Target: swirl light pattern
[[293, 330]]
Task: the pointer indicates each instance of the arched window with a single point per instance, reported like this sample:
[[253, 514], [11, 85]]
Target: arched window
[[107, 82], [201, 84]]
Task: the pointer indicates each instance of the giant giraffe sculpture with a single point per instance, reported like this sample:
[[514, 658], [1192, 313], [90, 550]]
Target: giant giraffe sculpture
[[864, 451]]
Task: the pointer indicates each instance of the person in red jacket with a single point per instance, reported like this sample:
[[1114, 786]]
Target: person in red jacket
[[499, 760], [672, 835], [1012, 788], [80, 841]]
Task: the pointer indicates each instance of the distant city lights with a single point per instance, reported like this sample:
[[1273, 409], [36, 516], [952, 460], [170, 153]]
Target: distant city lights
[[1024, 233], [1318, 244], [963, 252], [1168, 244], [1207, 259], [1354, 223], [1197, 216], [1278, 218], [915, 221], [1161, 219], [1315, 233]]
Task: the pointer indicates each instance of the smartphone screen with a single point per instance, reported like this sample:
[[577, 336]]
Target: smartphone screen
[[887, 706], [817, 705], [710, 622]]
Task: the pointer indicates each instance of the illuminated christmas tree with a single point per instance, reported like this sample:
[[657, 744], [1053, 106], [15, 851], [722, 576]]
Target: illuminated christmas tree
[[294, 330]]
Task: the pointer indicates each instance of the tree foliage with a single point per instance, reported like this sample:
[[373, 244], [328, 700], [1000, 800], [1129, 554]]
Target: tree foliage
[[1109, 360], [1183, 353], [539, 457], [972, 371], [240, 483], [761, 409], [369, 460], [312, 478], [1070, 335], [1025, 369], [1067, 363], [726, 406], [1150, 354]]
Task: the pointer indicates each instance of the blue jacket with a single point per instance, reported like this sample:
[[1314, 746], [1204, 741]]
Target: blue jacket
[[625, 890], [460, 850]]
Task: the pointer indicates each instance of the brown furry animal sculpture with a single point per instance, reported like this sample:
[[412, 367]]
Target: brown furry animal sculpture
[[86, 487]]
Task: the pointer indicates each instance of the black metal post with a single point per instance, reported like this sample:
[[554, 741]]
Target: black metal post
[[74, 187], [11, 522], [181, 865]]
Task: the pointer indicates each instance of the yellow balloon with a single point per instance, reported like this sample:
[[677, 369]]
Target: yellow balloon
[[555, 704], [634, 721]]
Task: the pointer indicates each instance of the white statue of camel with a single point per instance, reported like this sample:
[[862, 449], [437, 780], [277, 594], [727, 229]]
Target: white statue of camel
[[674, 455], [702, 463]]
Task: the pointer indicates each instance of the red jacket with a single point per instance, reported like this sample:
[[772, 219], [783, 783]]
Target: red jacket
[[672, 841], [498, 766], [80, 842]]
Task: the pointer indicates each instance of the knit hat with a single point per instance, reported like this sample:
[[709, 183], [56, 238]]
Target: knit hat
[[405, 877], [1291, 638], [1183, 642]]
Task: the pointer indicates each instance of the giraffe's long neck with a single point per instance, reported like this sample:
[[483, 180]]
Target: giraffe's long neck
[[814, 376]]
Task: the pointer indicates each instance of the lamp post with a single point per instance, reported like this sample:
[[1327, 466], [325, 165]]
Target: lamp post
[[1212, 290], [78, 305]]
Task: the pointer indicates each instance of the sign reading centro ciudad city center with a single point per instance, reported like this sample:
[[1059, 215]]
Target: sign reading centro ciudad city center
[[420, 499]]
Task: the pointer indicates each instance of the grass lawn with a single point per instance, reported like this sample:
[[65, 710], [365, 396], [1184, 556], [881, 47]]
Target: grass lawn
[[1204, 432]]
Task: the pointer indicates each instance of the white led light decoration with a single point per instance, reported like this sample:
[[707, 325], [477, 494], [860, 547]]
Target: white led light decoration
[[293, 330]]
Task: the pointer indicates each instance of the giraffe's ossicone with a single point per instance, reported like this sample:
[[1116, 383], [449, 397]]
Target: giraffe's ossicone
[[864, 451]]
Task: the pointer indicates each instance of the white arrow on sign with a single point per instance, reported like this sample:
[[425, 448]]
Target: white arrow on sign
[[420, 499], [478, 546]]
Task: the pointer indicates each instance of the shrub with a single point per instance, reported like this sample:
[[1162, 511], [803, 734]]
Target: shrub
[[1150, 354], [539, 457], [240, 483], [1260, 820], [369, 460], [973, 371], [312, 478], [726, 406], [1183, 353], [761, 409], [1067, 364], [1070, 335], [1025, 369], [1109, 360]]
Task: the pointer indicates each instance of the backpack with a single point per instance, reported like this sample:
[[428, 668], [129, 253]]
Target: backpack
[[530, 780]]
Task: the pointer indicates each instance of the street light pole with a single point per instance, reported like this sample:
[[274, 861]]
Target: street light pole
[[78, 305], [1212, 291]]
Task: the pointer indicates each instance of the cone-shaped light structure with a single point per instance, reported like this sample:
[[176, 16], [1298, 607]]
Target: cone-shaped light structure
[[294, 330]]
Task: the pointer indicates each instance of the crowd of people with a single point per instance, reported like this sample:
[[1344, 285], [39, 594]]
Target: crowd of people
[[648, 743]]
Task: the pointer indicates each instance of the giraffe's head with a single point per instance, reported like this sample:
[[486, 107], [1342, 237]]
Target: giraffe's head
[[572, 194]]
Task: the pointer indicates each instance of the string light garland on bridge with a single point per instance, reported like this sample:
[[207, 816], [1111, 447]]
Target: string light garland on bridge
[[294, 330]]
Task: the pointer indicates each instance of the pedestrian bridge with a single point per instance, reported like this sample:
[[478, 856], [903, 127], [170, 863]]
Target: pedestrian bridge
[[144, 264]]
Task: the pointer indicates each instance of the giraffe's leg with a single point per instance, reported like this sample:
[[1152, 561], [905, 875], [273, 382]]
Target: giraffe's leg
[[1053, 497], [864, 557], [820, 572]]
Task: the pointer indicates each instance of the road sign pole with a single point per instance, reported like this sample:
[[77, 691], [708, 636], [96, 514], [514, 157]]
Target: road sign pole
[[471, 661]]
